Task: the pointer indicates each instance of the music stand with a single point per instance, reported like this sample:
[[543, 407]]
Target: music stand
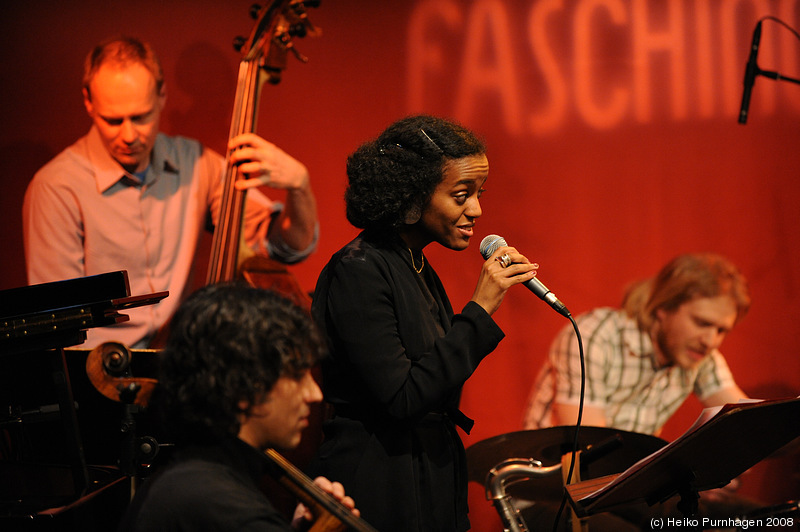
[[37, 323], [722, 444]]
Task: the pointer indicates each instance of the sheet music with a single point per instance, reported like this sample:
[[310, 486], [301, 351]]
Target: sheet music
[[705, 416]]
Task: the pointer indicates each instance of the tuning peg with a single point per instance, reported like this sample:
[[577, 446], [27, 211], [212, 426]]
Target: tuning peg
[[284, 40], [238, 43], [298, 30], [273, 75], [300, 57], [254, 10]]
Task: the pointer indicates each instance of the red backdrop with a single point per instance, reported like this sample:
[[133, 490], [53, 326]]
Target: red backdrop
[[612, 135]]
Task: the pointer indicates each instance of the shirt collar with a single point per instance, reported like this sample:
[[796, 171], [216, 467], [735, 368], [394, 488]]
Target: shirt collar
[[162, 158], [108, 172], [638, 343]]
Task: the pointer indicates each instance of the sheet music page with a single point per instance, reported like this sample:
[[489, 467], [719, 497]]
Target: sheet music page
[[705, 416]]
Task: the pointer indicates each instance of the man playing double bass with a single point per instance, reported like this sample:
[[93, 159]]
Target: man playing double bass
[[127, 197]]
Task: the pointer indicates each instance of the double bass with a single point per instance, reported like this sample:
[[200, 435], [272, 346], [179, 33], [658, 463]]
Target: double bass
[[264, 57]]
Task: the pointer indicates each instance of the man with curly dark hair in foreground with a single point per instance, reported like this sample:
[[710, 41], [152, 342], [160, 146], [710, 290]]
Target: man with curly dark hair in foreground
[[234, 379]]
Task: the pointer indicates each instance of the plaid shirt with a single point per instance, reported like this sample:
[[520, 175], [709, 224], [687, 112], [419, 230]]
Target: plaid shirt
[[623, 376]]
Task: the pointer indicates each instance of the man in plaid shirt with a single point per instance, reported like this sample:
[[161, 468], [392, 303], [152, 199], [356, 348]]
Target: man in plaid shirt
[[643, 361]]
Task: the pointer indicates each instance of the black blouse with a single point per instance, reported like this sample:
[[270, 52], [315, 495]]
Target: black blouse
[[399, 357]]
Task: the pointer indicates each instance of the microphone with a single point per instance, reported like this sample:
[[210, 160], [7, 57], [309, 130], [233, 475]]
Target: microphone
[[750, 73], [491, 243]]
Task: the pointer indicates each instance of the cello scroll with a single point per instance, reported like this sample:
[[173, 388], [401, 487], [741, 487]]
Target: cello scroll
[[108, 367]]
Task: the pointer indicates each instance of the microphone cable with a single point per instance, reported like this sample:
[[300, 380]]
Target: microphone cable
[[488, 246], [577, 423], [782, 23]]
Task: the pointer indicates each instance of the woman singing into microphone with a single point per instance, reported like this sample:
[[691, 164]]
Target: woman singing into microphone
[[399, 354]]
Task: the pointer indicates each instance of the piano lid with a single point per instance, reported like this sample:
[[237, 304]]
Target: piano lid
[[59, 294], [57, 314]]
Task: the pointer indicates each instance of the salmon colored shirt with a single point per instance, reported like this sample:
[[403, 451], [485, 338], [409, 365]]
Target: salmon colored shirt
[[84, 215]]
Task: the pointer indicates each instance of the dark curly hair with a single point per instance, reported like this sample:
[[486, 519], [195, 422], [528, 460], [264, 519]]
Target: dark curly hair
[[228, 343], [397, 173]]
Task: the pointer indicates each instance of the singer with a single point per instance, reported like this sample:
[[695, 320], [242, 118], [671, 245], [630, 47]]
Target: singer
[[398, 353]]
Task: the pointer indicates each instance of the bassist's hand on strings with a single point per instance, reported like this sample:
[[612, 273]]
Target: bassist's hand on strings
[[263, 163]]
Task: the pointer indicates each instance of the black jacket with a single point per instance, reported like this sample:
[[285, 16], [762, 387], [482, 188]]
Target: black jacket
[[399, 357]]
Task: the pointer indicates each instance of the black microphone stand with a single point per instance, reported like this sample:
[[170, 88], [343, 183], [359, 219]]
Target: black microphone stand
[[771, 74]]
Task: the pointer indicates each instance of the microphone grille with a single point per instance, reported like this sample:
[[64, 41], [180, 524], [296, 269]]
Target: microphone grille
[[490, 244]]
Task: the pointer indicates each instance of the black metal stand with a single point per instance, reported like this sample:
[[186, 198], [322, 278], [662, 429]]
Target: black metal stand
[[69, 421], [46, 482], [688, 505]]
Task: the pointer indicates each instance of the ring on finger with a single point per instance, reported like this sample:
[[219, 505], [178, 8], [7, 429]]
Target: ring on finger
[[504, 260]]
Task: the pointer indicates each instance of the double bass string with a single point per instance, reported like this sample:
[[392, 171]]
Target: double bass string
[[225, 252]]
